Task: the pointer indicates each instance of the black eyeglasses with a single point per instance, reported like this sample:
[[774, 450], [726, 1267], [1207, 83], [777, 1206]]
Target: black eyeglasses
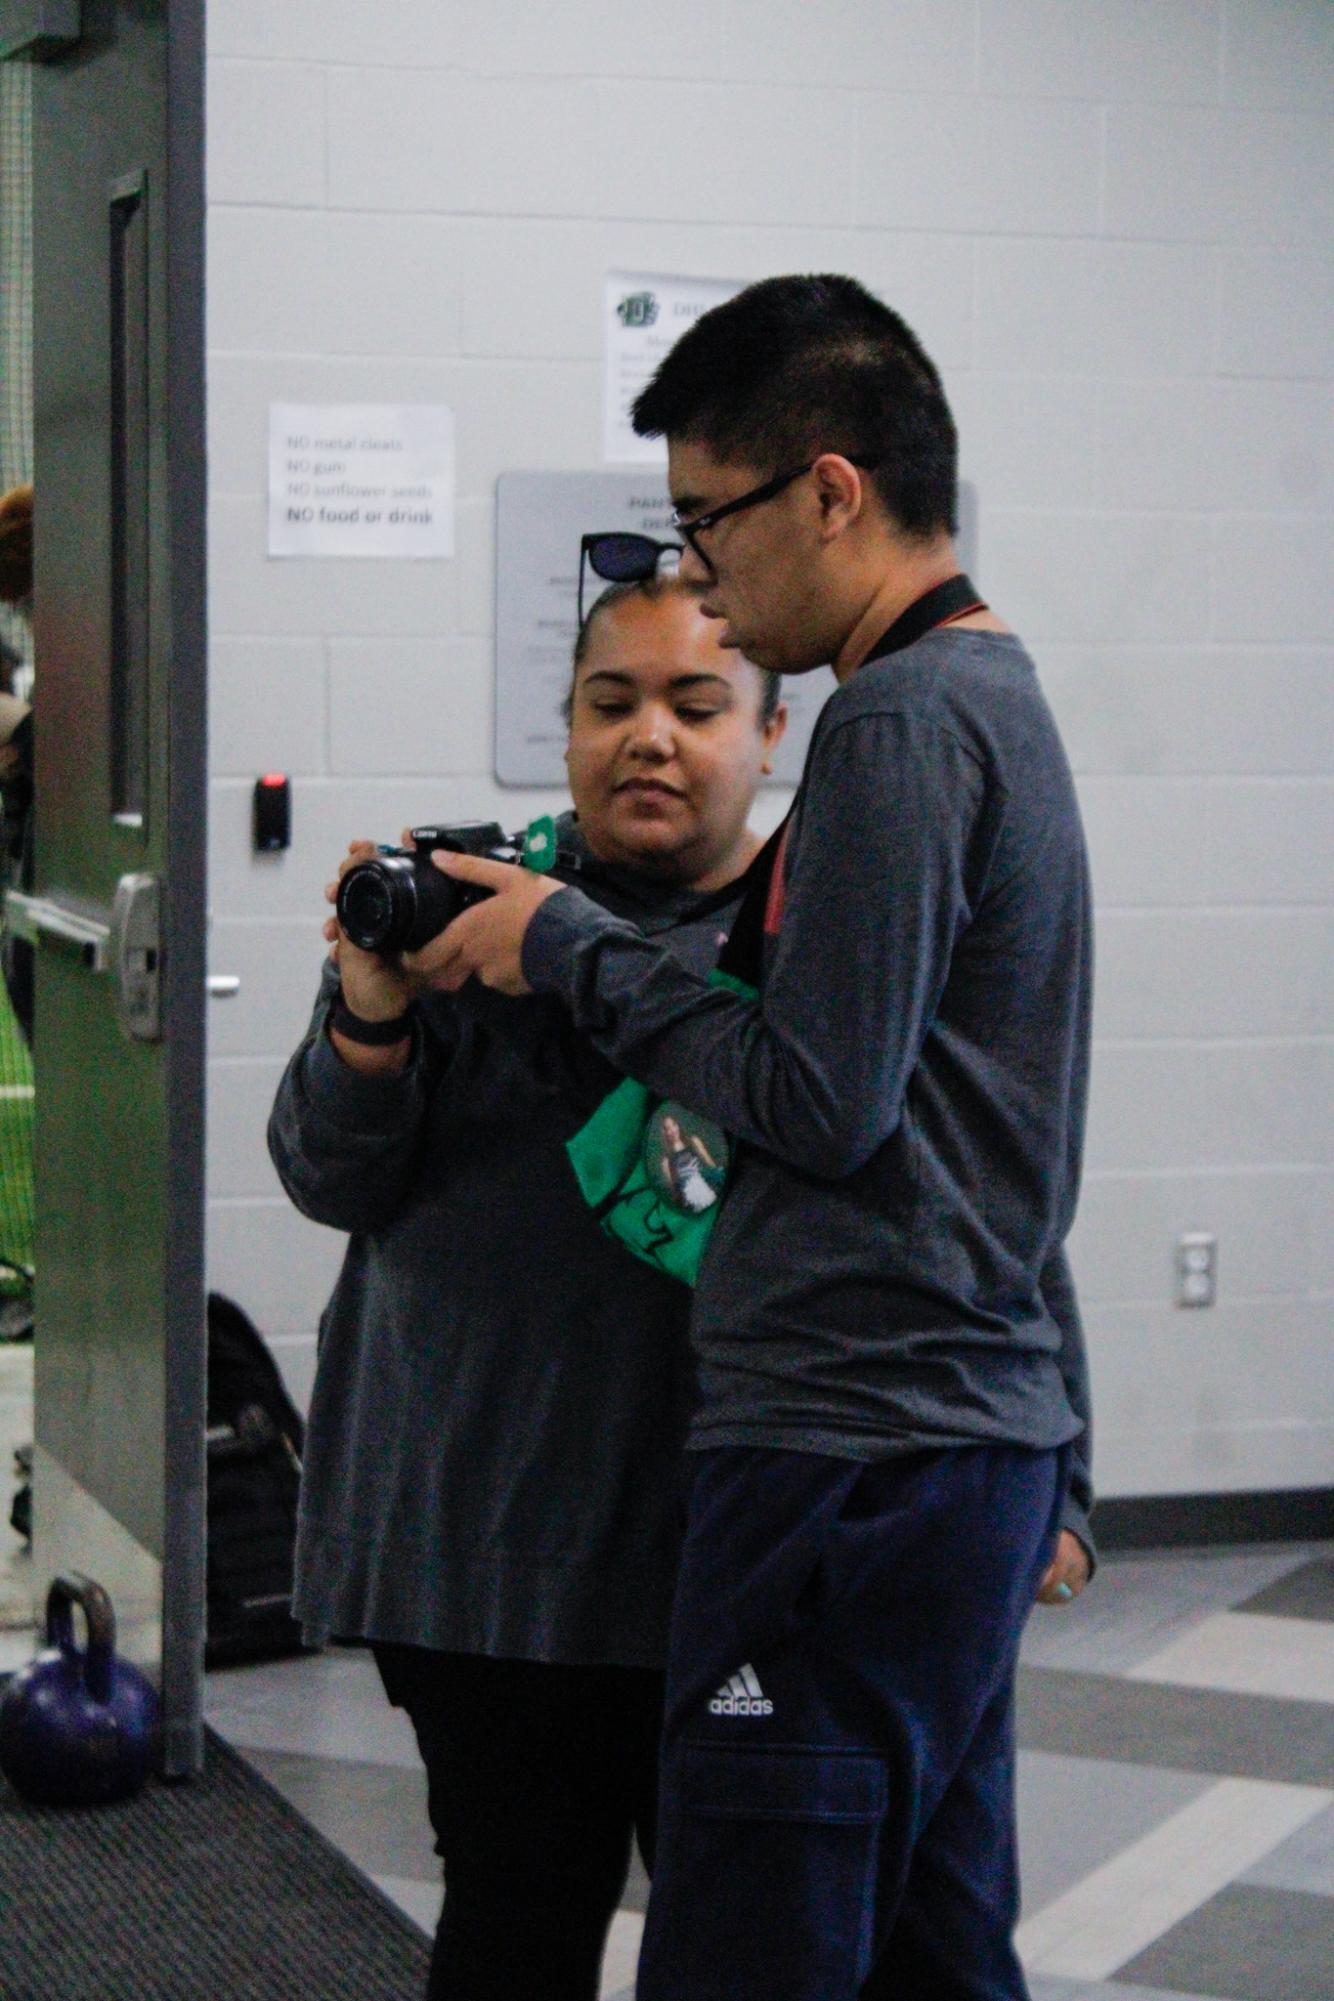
[[702, 522], [621, 559]]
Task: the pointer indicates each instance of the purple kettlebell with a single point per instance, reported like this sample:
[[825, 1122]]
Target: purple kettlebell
[[78, 1729]]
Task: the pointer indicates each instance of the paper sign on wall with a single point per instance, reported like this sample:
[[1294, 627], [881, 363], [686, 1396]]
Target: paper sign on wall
[[644, 316], [361, 479]]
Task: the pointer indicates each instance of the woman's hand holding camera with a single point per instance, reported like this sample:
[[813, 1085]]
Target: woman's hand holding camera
[[485, 942], [374, 989]]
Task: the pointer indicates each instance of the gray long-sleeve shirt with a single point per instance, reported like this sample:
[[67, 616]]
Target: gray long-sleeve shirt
[[492, 1460], [888, 1270]]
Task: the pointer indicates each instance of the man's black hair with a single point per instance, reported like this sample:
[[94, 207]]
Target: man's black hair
[[796, 366], [654, 589]]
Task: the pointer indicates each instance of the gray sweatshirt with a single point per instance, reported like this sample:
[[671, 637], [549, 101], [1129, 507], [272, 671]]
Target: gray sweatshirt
[[888, 1269], [492, 1462]]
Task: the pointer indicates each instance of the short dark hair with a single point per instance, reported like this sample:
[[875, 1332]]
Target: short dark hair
[[796, 366], [654, 589]]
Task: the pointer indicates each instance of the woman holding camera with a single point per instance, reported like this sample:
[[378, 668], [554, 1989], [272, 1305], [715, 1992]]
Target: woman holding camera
[[489, 1493]]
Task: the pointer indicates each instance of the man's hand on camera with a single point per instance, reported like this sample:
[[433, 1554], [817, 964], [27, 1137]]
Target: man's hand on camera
[[486, 942], [1068, 1573]]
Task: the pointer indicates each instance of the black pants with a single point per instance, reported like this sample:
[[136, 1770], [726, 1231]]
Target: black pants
[[538, 1776]]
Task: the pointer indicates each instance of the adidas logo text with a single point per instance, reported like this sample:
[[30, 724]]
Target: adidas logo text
[[741, 1695]]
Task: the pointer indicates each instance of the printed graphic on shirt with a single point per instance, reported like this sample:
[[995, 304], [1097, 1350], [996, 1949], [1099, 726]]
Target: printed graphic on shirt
[[685, 1158], [741, 1695]]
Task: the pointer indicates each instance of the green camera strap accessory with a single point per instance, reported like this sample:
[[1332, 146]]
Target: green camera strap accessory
[[539, 845], [653, 1172]]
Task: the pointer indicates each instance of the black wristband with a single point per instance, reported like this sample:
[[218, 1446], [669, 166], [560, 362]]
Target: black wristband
[[370, 1034]]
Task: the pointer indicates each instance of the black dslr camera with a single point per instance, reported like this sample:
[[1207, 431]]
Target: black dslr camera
[[400, 901]]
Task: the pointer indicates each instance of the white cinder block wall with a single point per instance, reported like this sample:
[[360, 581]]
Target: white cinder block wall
[[1111, 222]]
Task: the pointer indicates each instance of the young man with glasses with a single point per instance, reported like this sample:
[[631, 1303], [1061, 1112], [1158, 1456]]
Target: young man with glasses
[[889, 1460]]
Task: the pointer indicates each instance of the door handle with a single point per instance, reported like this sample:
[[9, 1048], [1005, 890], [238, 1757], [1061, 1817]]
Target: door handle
[[37, 917], [130, 551], [129, 947]]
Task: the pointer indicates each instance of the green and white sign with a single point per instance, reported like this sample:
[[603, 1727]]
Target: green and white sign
[[644, 315]]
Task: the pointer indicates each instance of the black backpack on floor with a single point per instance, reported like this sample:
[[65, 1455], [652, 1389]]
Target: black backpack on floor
[[255, 1442]]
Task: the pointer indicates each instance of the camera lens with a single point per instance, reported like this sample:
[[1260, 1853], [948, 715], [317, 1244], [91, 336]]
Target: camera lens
[[377, 904], [397, 903]]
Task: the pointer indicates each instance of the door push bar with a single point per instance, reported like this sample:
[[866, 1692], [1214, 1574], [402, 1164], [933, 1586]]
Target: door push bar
[[37, 917], [129, 947]]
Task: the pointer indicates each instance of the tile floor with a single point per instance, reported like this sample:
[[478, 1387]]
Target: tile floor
[[1176, 1781]]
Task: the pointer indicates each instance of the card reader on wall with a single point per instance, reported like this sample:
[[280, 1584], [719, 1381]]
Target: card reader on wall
[[273, 813]]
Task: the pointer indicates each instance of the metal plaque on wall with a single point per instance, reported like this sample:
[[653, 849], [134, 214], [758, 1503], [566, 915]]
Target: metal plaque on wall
[[540, 518]]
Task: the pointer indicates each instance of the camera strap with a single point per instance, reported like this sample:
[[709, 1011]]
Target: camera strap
[[941, 605]]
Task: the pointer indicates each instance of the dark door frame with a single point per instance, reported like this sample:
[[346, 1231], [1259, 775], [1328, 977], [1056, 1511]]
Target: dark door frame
[[186, 893]]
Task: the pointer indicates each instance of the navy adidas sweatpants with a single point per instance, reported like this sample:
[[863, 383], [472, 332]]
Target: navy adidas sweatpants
[[837, 1809]]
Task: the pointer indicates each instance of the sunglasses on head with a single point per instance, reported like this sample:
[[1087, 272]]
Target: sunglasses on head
[[621, 558]]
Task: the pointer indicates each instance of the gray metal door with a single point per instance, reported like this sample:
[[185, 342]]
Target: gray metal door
[[117, 908]]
